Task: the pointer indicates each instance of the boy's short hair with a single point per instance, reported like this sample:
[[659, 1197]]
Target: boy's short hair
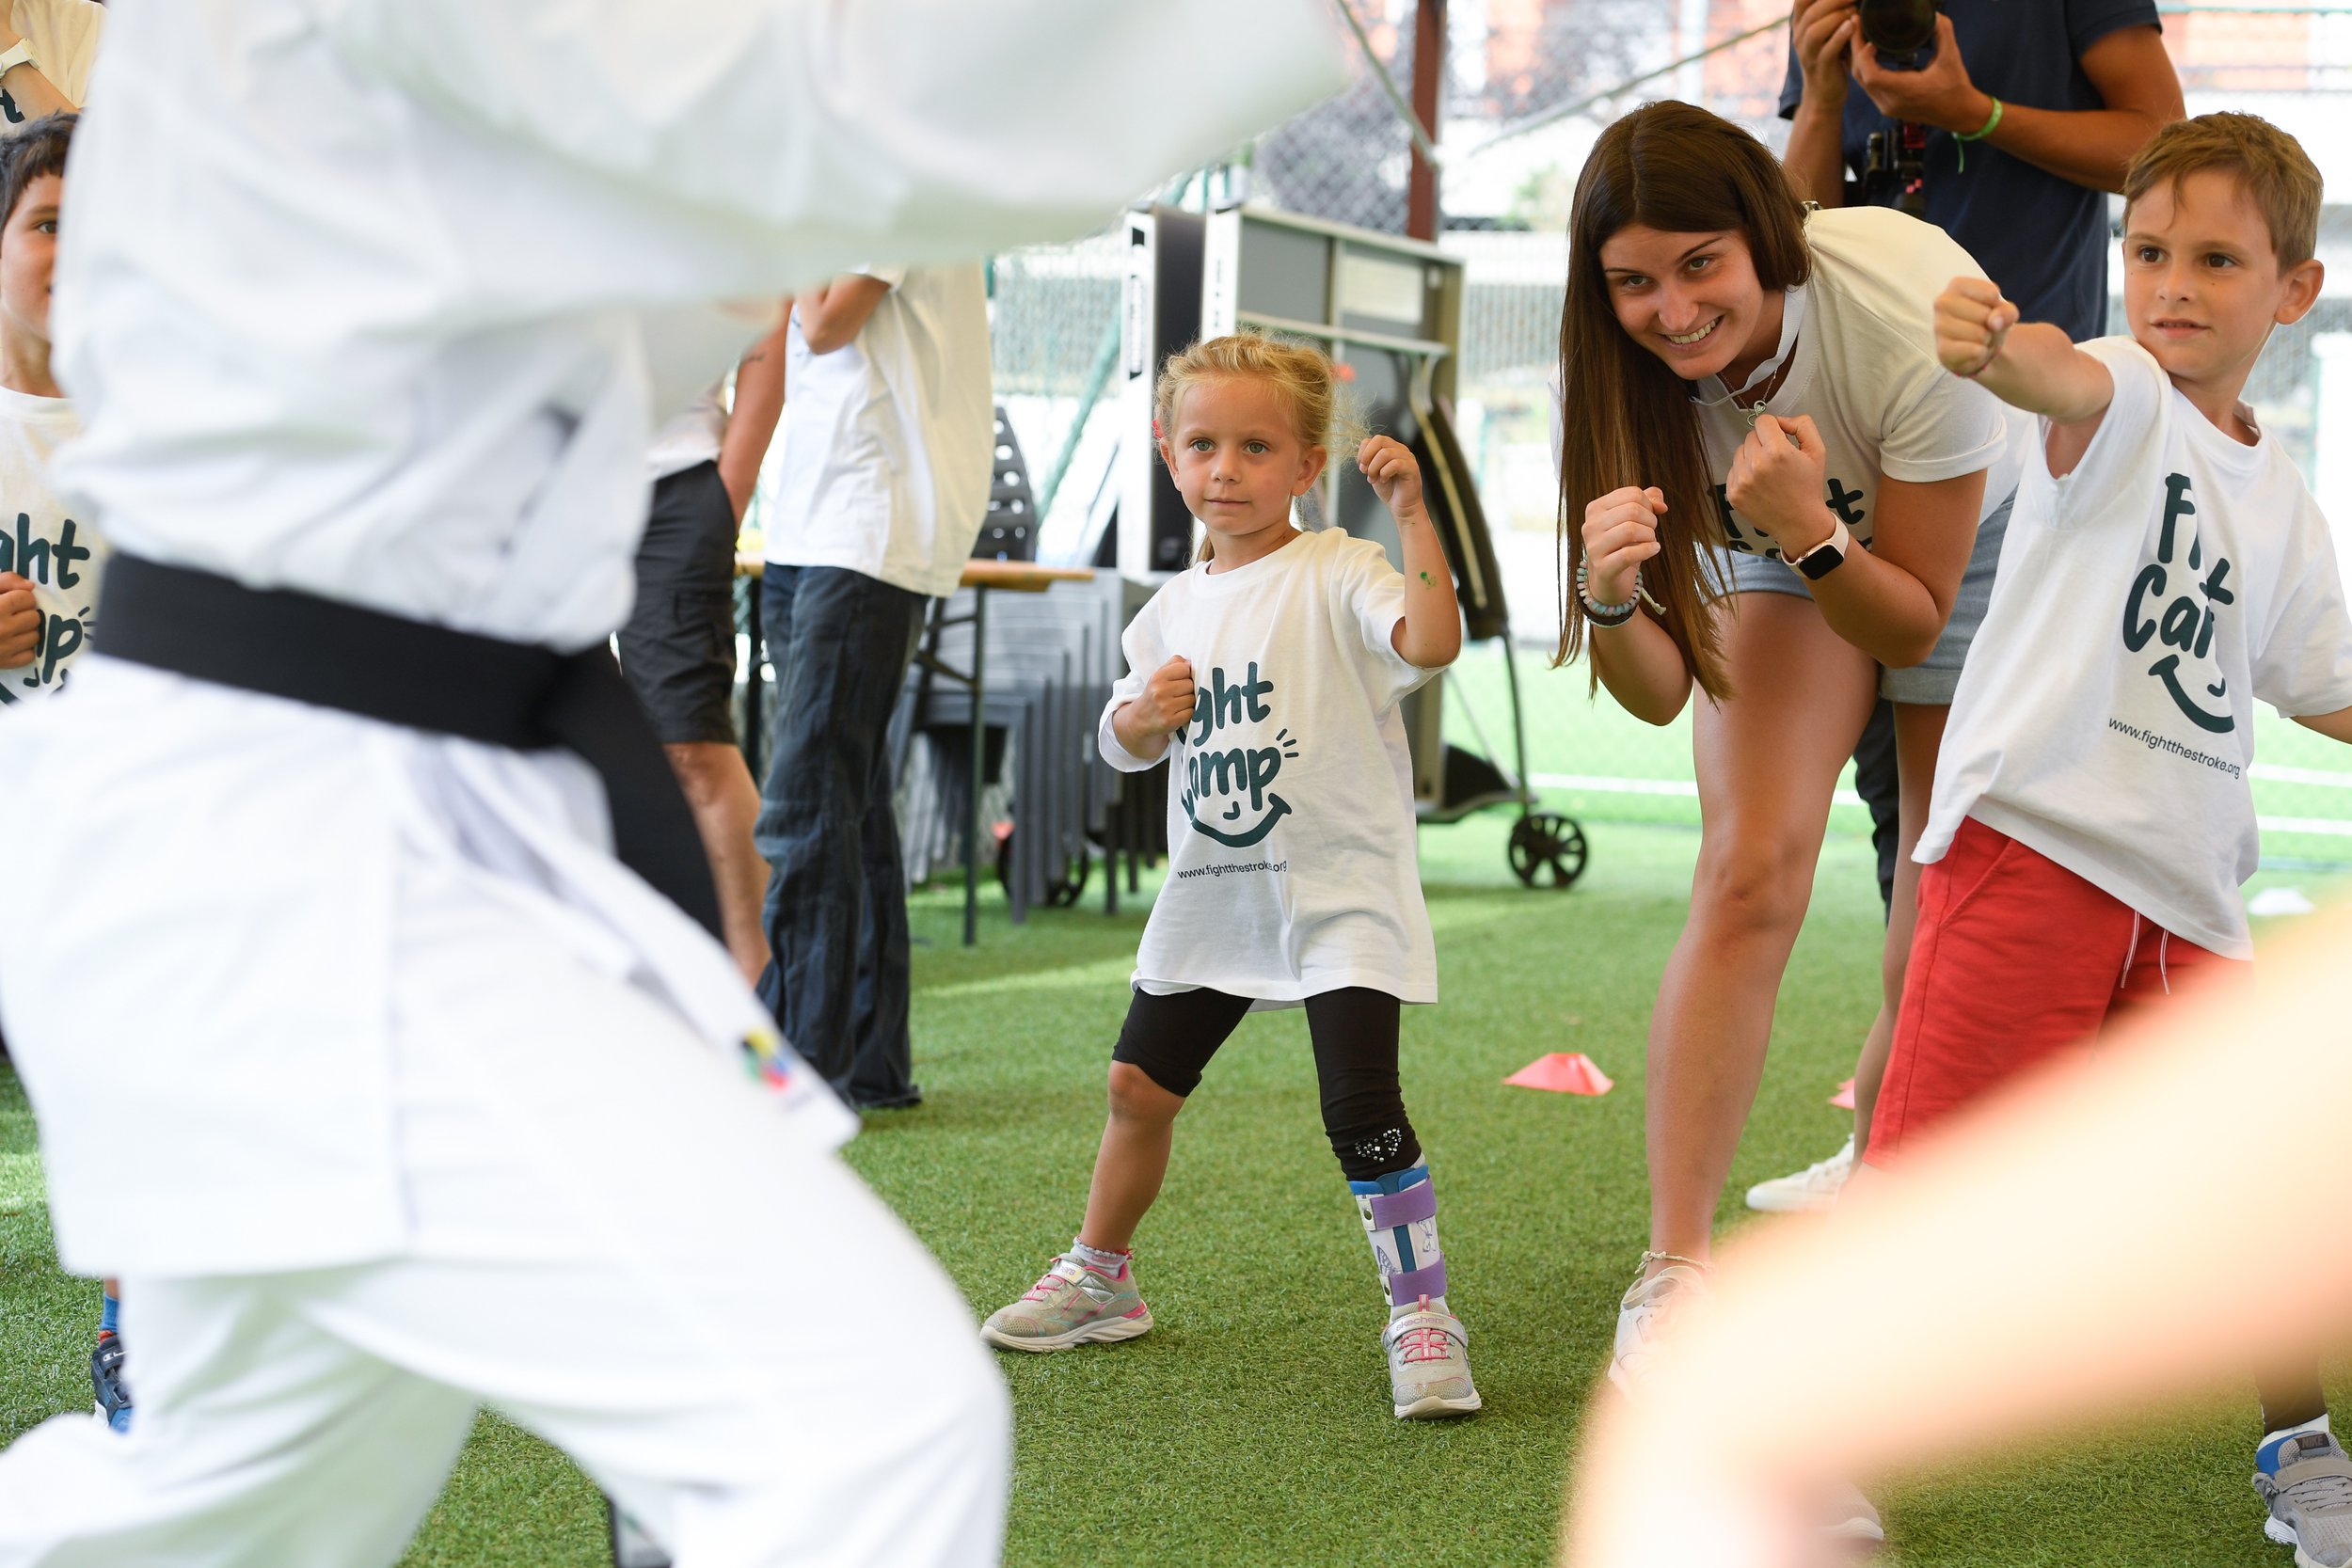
[[2271, 167], [29, 152]]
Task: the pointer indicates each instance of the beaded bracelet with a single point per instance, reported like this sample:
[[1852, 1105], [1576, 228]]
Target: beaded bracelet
[[1608, 614]]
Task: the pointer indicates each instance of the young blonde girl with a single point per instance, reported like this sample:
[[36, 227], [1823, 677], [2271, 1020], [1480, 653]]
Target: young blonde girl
[[1269, 676]]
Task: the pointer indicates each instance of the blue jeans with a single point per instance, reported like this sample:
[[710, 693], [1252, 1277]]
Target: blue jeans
[[836, 909]]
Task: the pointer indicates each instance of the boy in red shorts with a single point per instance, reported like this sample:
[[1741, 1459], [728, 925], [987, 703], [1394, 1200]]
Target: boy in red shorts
[[2166, 567]]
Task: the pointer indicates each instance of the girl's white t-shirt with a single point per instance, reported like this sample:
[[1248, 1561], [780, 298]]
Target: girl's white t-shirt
[[1859, 340], [2144, 602], [1292, 865]]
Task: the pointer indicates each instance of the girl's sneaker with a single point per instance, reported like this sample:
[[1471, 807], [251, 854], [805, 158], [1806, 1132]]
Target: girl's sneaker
[[1429, 1374], [1072, 1304]]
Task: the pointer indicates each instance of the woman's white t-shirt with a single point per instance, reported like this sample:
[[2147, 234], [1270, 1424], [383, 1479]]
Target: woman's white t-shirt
[[1293, 867], [1859, 340], [2105, 716]]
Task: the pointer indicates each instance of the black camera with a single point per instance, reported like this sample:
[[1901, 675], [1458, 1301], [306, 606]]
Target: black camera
[[1898, 166], [1899, 30]]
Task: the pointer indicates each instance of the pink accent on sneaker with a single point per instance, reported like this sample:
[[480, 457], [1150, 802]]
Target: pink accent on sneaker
[[1047, 1284], [1425, 1344]]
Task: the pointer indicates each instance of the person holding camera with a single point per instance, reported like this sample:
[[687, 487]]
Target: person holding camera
[[2031, 114], [2005, 125]]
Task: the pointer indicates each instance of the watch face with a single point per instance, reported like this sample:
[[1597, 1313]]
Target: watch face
[[1821, 562]]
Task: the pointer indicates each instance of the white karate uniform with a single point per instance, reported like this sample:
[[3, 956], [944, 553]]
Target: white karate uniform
[[381, 1084]]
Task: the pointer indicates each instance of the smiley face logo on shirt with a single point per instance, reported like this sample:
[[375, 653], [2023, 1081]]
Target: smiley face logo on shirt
[[1228, 793], [2184, 623]]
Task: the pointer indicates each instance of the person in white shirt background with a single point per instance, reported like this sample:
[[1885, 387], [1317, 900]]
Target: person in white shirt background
[[677, 647], [46, 49], [888, 442], [383, 1010]]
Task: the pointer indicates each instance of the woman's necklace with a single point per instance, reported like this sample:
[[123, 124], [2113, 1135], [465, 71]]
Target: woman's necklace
[[1754, 408]]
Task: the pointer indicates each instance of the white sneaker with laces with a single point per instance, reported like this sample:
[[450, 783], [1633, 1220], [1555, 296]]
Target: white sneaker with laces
[[1429, 1374], [1641, 1317], [2308, 1492], [1811, 1191]]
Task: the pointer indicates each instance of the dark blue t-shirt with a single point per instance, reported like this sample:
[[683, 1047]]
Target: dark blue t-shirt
[[2043, 239]]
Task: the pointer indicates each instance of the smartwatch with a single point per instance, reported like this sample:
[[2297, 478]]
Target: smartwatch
[[1826, 557], [20, 55]]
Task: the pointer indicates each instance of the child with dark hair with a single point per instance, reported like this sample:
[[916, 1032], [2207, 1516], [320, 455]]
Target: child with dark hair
[[49, 559]]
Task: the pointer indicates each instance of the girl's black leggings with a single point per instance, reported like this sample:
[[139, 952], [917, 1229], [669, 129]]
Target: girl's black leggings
[[1171, 1039]]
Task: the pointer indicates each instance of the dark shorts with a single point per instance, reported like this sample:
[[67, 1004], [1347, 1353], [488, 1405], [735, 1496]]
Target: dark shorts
[[677, 647]]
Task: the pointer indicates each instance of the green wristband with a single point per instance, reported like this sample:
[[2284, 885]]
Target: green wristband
[[1991, 123]]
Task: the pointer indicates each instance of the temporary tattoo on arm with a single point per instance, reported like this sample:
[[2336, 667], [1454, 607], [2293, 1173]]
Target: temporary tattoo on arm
[[1430, 581]]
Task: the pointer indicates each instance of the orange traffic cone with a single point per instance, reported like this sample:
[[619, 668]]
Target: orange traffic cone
[[1564, 1073]]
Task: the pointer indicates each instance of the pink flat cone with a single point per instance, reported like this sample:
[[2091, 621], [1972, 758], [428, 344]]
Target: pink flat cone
[[1843, 1099], [1563, 1072]]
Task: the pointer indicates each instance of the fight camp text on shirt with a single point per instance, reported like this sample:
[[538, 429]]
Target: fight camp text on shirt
[[1293, 867], [43, 541], [2144, 602]]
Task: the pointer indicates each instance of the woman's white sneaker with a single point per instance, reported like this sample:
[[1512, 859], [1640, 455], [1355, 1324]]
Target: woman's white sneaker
[[1811, 1191], [1642, 1318]]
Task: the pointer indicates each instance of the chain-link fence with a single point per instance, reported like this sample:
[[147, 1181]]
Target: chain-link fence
[[1527, 85]]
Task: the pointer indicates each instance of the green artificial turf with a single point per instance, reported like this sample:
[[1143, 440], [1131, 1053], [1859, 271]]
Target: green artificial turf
[[1252, 1424]]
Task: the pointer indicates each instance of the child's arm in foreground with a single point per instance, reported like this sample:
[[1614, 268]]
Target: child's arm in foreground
[[1965, 1307], [2027, 365], [1144, 724], [1430, 635]]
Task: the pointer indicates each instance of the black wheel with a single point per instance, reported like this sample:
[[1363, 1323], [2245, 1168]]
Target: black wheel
[[1547, 850], [1066, 888]]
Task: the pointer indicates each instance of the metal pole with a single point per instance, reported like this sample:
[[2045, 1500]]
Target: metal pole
[[1429, 43], [980, 770]]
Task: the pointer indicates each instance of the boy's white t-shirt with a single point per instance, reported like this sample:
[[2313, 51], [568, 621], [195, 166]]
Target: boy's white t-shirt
[[43, 541], [1860, 342], [1292, 865], [2144, 601]]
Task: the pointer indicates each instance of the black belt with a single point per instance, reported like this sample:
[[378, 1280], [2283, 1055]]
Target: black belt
[[519, 695]]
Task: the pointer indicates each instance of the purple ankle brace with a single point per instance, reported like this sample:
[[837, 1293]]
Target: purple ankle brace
[[1411, 1285], [1416, 1203]]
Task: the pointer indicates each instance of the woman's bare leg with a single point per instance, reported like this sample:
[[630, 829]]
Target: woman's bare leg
[[1768, 760]]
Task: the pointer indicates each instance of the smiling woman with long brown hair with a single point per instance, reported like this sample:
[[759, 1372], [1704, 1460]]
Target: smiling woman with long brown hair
[[1770, 491]]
